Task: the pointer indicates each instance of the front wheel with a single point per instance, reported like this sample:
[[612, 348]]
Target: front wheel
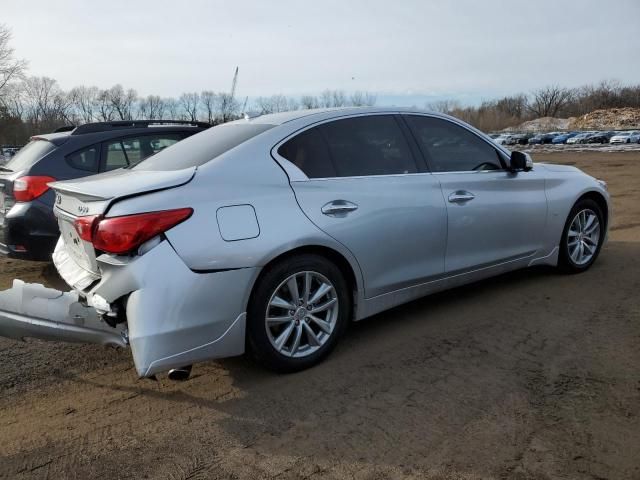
[[582, 236], [297, 312]]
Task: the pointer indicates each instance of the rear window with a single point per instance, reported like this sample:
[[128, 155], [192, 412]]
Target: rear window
[[203, 147], [28, 155]]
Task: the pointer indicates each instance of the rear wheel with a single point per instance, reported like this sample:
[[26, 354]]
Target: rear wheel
[[297, 312], [582, 236]]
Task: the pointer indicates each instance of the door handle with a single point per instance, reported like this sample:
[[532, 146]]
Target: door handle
[[339, 208], [461, 196]]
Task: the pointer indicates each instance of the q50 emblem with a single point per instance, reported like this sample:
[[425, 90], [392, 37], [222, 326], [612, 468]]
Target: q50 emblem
[[58, 199], [83, 209]]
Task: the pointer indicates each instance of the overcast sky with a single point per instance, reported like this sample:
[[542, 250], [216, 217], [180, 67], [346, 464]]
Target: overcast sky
[[406, 51]]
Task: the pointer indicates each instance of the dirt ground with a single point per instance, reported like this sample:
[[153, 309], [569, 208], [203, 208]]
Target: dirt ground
[[530, 375]]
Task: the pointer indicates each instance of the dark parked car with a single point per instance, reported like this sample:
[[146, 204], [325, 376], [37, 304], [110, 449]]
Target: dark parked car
[[542, 138], [599, 137], [28, 228]]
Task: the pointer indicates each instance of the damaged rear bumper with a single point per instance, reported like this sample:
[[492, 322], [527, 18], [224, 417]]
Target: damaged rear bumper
[[174, 316], [31, 310]]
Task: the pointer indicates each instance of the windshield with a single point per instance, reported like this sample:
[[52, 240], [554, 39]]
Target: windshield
[[203, 147], [28, 155]]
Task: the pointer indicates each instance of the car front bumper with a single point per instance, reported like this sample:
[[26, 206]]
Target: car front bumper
[[174, 316]]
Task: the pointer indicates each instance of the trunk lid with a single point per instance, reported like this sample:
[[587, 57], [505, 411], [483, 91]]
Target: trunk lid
[[91, 196], [121, 183]]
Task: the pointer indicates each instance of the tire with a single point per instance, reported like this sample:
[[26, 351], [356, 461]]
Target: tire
[[270, 317], [571, 256]]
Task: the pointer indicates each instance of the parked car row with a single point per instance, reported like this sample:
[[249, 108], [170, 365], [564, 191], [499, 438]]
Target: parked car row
[[8, 151], [601, 137], [272, 233]]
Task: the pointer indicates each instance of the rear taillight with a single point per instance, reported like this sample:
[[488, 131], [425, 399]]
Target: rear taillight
[[29, 188], [85, 225], [124, 234]]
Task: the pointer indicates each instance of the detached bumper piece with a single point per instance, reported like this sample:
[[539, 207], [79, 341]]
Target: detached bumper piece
[[32, 310]]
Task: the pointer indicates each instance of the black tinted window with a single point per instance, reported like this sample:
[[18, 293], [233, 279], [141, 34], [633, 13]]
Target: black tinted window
[[28, 155], [371, 145], [203, 147], [308, 151], [452, 148], [86, 159]]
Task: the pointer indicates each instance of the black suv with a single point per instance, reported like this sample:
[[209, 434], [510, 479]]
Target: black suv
[[28, 228]]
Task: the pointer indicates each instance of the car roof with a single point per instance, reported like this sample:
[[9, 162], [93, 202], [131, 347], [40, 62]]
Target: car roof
[[92, 135], [325, 113]]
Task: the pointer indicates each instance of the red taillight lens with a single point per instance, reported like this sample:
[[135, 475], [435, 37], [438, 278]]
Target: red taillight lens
[[124, 234], [85, 226], [28, 188]]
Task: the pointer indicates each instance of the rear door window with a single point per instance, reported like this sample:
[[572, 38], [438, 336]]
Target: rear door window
[[28, 155], [365, 146], [351, 147]]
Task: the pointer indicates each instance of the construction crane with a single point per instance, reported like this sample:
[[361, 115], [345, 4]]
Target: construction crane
[[234, 83]]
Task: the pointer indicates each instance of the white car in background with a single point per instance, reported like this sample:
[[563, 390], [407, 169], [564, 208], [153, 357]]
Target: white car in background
[[626, 137], [580, 138], [503, 139]]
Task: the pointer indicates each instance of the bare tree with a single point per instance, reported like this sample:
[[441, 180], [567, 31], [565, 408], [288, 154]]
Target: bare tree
[[514, 106], [227, 107], [332, 98], [339, 98], [172, 108], [151, 107], [362, 99], [104, 106], [308, 102], [46, 105], [326, 99], [12, 100], [546, 102], [189, 103], [122, 102], [85, 101], [272, 104], [10, 68], [292, 104], [443, 106], [208, 99], [156, 107]]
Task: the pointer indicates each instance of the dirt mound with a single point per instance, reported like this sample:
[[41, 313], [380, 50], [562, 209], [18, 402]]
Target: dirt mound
[[608, 119], [543, 124]]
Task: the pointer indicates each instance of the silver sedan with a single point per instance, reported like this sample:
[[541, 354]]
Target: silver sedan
[[273, 233]]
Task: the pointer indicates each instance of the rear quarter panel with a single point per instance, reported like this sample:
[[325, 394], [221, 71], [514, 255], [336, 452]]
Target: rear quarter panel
[[247, 175]]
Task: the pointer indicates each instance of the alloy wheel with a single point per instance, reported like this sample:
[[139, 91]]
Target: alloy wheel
[[302, 314], [583, 237]]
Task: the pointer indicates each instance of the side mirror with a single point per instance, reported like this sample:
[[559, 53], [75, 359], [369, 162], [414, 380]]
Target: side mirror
[[520, 161]]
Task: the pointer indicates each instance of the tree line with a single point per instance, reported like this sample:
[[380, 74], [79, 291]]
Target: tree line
[[550, 101], [35, 105], [31, 105]]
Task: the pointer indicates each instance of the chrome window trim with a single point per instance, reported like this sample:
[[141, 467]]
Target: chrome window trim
[[297, 175]]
